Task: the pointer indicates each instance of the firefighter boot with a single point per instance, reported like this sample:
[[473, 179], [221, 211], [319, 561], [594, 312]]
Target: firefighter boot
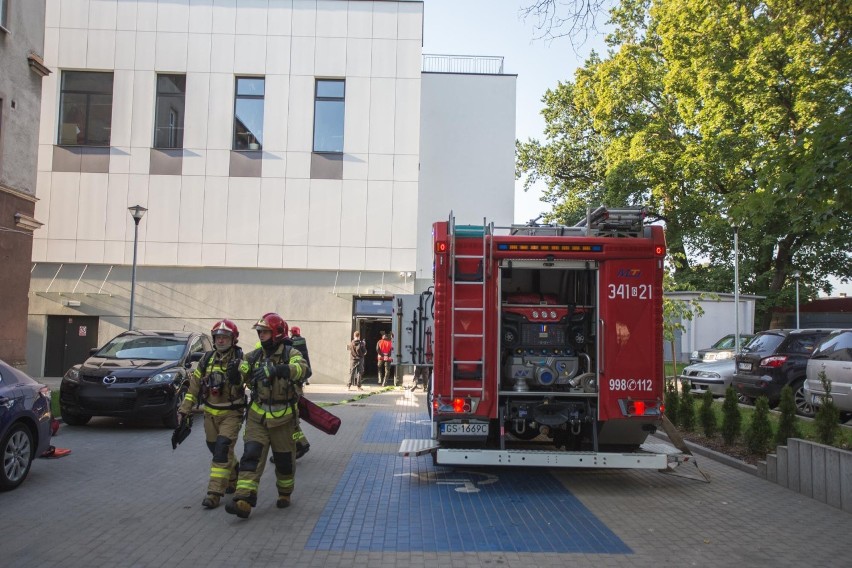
[[211, 501], [302, 448], [283, 501], [239, 507]]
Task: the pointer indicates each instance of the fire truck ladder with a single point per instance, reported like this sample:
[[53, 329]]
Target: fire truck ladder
[[465, 287]]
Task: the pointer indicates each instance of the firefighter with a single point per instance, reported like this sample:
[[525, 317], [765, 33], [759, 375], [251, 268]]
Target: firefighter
[[276, 372], [217, 384], [384, 347], [357, 352]]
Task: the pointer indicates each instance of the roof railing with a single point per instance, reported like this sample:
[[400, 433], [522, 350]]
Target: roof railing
[[463, 64]]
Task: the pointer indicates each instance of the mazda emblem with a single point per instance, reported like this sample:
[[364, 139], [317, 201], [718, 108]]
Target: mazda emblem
[[109, 380]]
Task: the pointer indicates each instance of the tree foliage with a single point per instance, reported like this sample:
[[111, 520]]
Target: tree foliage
[[788, 423], [759, 432], [731, 417], [713, 114], [707, 416]]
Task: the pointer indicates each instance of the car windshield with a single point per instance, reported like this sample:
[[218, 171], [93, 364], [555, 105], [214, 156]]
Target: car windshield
[[144, 347], [726, 342], [766, 342]]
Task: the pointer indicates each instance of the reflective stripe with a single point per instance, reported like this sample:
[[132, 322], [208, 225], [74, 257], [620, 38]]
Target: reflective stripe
[[220, 473], [273, 413], [189, 397], [219, 411], [298, 435], [285, 483], [247, 484]]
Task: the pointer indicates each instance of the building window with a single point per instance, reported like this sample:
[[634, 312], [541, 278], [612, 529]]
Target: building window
[[171, 99], [85, 108], [328, 115], [248, 113], [4, 14]]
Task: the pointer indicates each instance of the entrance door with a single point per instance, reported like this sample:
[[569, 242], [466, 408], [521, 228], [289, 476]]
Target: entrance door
[[371, 332], [69, 340]]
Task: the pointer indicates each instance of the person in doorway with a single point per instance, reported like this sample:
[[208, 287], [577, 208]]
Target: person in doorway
[[217, 384], [357, 352], [384, 348], [276, 372]]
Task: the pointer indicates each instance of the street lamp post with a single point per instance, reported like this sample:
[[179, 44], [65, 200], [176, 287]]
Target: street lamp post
[[796, 275], [137, 212], [736, 288]]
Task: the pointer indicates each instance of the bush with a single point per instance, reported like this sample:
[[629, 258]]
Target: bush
[[672, 401], [686, 410], [827, 420], [788, 423], [731, 417], [759, 432], [707, 416]]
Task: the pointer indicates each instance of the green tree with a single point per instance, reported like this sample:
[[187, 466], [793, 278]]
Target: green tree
[[707, 416], [788, 423], [759, 431], [827, 419], [731, 417], [672, 402], [702, 108], [686, 410]]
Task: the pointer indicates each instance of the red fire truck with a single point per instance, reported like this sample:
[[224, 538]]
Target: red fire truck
[[544, 341]]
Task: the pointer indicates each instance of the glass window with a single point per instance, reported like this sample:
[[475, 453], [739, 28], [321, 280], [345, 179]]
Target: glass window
[[85, 108], [171, 101], [248, 113], [328, 115]]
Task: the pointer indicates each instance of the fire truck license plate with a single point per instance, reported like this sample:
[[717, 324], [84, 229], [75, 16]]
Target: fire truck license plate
[[464, 429]]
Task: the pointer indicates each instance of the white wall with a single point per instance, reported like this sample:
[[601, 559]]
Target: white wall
[[467, 154], [204, 217], [719, 319]]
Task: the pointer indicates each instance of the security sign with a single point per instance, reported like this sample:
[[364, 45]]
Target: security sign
[[82, 331]]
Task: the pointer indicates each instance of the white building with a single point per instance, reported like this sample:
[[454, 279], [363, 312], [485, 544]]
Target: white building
[[291, 155]]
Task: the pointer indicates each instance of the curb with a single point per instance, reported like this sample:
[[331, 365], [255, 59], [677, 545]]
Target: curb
[[715, 456]]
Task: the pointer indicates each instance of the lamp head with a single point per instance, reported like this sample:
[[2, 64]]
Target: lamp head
[[137, 212], [796, 274]]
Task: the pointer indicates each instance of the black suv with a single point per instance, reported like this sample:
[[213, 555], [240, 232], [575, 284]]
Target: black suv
[[774, 359], [138, 374]]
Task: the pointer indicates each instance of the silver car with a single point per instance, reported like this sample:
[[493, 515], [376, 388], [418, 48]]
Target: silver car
[[834, 356], [715, 376]]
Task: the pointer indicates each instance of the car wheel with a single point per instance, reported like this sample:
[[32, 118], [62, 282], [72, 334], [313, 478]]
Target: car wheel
[[803, 407], [845, 417], [17, 450], [743, 399], [74, 419], [170, 420]]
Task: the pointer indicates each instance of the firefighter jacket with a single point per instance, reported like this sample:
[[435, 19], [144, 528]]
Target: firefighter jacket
[[274, 400], [383, 350], [209, 384]]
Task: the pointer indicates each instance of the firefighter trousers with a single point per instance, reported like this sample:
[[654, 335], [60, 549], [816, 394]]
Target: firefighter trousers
[[221, 428], [259, 439]]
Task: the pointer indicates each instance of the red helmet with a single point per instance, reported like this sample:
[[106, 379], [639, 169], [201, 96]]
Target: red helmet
[[274, 323], [225, 326], [295, 330]]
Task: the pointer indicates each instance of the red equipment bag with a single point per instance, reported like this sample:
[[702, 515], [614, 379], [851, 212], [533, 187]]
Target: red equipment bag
[[318, 417]]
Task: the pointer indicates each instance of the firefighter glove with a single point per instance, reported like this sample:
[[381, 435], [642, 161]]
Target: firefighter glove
[[263, 371], [233, 372], [282, 371]]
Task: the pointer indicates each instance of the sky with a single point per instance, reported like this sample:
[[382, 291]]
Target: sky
[[495, 27]]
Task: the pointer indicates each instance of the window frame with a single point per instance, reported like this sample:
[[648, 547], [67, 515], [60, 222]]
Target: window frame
[[235, 144], [318, 99], [167, 98], [63, 92], [4, 15]]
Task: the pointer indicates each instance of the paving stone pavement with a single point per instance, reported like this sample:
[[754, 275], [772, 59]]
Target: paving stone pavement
[[125, 498]]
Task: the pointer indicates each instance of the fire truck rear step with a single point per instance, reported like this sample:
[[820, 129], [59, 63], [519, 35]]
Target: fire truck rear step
[[659, 456]]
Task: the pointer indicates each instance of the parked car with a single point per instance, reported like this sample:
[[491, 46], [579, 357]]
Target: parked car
[[775, 359], [138, 374], [723, 349], [715, 376], [833, 355], [24, 424]]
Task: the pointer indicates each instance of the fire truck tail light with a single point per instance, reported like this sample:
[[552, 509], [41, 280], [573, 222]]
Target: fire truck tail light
[[458, 405], [660, 250], [641, 407], [440, 247]]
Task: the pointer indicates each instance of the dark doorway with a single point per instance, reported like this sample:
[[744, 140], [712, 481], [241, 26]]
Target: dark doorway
[[69, 340], [371, 332]]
